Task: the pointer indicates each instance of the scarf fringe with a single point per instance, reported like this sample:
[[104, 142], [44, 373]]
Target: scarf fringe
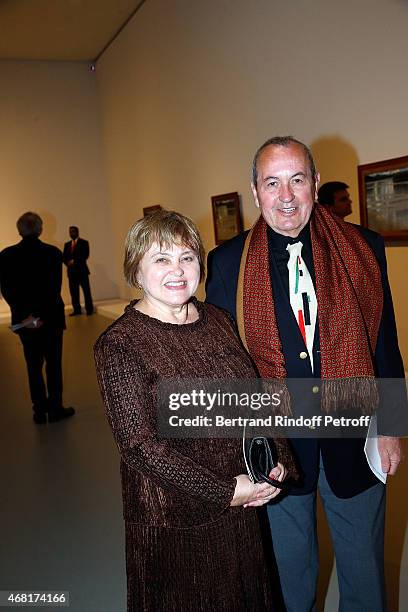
[[359, 395]]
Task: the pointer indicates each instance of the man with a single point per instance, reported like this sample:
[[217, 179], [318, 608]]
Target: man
[[342, 328], [76, 252], [30, 278], [335, 196]]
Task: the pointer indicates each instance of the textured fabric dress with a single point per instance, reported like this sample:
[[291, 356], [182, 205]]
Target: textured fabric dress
[[187, 549]]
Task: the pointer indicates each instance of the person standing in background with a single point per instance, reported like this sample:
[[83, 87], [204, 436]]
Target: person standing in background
[[30, 279], [76, 252], [335, 196]]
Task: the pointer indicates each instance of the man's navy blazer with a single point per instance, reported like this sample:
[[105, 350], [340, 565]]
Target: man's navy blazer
[[344, 460]]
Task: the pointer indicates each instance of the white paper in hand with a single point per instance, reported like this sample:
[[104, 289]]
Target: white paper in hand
[[28, 322], [371, 451]]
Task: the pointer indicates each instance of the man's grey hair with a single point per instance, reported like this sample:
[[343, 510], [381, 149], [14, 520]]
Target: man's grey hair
[[29, 224], [282, 141]]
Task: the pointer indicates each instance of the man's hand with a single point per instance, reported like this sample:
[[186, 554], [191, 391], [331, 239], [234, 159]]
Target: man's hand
[[32, 322], [390, 450]]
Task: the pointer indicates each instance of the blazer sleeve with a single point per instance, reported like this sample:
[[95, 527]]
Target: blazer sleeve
[[130, 409], [66, 255], [393, 408], [51, 278], [218, 290], [8, 289], [85, 249]]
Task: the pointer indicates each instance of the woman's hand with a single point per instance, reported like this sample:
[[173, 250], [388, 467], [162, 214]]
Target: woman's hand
[[248, 493]]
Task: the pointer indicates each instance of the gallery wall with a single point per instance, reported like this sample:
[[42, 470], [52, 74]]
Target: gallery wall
[[179, 103], [51, 161], [190, 89]]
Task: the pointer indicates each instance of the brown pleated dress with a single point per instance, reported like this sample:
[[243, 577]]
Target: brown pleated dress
[[187, 549]]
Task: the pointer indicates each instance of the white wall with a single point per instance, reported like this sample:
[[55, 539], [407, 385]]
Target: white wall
[[190, 89], [51, 160]]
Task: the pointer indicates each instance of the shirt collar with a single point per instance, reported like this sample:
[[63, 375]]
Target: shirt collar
[[278, 242]]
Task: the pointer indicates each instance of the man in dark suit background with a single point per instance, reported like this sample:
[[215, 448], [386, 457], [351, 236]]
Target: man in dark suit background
[[336, 197], [76, 252], [342, 328], [30, 279]]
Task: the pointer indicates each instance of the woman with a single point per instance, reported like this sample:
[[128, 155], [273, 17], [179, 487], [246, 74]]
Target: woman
[[190, 544]]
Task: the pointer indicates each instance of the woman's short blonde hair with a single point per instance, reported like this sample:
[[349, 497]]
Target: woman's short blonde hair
[[166, 228]]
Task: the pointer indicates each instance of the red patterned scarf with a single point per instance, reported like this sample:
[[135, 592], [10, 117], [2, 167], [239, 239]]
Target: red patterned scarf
[[349, 297]]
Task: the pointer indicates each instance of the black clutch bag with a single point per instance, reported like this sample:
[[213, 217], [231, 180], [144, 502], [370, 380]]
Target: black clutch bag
[[259, 456]]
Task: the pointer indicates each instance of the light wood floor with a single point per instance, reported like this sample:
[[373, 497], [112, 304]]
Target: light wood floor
[[61, 521]]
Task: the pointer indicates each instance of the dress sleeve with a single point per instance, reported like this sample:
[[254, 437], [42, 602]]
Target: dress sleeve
[[126, 389]]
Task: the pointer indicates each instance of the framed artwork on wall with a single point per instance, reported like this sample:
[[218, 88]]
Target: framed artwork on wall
[[148, 210], [227, 216], [383, 191]]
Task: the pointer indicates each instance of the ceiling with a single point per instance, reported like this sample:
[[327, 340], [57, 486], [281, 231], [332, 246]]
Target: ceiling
[[64, 30]]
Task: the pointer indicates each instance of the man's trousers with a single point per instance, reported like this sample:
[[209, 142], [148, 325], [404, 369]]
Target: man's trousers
[[357, 530], [75, 282], [43, 345]]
